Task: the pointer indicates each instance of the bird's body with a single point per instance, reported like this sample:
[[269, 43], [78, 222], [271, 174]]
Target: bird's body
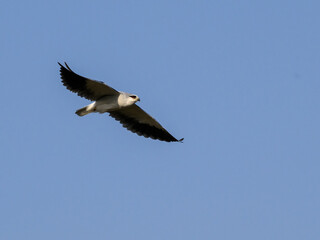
[[120, 105], [107, 104]]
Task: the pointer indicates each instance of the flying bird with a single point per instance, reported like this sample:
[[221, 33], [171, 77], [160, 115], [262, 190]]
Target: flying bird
[[120, 105]]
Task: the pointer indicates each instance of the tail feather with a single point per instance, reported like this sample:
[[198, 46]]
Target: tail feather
[[86, 110], [83, 111]]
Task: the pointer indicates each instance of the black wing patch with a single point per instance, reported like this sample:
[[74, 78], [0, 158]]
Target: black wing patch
[[84, 87], [143, 129]]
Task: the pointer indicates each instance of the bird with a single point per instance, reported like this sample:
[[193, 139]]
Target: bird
[[120, 105]]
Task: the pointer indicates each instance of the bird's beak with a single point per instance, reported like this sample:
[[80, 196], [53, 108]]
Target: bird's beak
[[139, 100]]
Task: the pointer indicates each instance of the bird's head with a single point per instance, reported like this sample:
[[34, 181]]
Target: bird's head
[[134, 98]]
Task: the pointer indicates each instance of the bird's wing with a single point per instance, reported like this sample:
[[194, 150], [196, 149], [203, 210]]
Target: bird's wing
[[138, 121], [84, 87]]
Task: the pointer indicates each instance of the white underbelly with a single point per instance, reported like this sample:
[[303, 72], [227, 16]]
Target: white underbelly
[[106, 104], [101, 108]]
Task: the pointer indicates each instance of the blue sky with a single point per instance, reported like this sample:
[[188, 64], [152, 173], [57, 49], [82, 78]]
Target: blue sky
[[239, 80]]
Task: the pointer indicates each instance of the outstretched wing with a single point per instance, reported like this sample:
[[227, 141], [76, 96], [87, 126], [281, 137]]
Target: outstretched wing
[[138, 121], [84, 87]]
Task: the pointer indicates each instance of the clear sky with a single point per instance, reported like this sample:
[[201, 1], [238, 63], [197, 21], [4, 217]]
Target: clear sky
[[239, 80]]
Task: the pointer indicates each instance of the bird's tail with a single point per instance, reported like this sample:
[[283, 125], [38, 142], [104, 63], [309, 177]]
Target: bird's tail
[[83, 111], [87, 109]]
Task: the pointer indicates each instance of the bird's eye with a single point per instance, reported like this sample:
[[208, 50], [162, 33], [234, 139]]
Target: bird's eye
[[134, 97]]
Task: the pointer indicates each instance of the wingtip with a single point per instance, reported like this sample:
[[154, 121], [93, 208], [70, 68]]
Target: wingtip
[[65, 67], [68, 66], [181, 140]]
